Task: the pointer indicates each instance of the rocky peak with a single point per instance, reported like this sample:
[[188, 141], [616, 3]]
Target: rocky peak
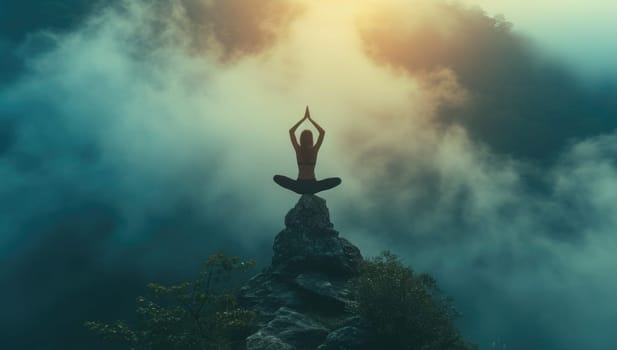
[[310, 215], [309, 243], [302, 297]]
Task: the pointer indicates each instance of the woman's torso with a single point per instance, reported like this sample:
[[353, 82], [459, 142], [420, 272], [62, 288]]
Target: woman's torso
[[306, 158]]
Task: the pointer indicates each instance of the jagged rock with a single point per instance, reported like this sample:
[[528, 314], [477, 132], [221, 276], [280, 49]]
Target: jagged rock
[[295, 252], [266, 293], [310, 269], [355, 334], [332, 290], [288, 330], [309, 242], [346, 338], [261, 341], [311, 215]]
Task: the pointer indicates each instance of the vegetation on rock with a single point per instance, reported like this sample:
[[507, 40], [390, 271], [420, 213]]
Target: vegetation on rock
[[202, 314], [395, 307], [405, 310]]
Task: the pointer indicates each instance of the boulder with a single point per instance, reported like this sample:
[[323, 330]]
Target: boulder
[[331, 291], [310, 243], [288, 330], [310, 215], [354, 334]]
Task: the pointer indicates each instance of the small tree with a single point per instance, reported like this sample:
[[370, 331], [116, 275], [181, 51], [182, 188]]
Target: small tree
[[404, 309], [199, 315]]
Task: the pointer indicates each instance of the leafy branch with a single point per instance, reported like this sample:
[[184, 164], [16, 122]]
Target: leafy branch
[[201, 314]]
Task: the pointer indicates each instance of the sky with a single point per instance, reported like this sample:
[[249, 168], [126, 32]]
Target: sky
[[475, 139], [578, 33]]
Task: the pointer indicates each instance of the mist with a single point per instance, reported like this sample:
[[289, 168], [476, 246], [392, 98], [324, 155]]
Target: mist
[[144, 136]]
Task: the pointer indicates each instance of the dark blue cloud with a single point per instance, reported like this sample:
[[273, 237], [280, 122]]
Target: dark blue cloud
[[519, 103], [86, 226], [21, 20]]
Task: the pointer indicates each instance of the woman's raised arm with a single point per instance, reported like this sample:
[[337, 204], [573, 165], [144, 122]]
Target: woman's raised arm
[[292, 131], [322, 132]]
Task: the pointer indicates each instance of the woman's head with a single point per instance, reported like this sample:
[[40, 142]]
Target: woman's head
[[306, 138]]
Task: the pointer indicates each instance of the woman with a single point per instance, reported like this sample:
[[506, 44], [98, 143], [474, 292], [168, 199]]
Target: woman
[[306, 156]]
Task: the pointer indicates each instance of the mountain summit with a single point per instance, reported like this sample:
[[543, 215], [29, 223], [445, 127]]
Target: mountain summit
[[301, 299], [318, 293]]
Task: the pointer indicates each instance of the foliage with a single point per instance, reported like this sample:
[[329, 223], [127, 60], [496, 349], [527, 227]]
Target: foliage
[[405, 309], [199, 315]]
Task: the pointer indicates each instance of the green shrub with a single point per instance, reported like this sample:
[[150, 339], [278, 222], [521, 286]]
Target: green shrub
[[199, 315], [404, 309]]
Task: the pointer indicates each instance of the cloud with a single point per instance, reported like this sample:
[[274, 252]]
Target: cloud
[[113, 160], [20, 21], [228, 29], [498, 180], [145, 138], [239, 26], [514, 258], [21, 18], [515, 93]]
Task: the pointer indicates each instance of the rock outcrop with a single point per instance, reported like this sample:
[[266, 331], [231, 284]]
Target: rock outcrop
[[302, 298]]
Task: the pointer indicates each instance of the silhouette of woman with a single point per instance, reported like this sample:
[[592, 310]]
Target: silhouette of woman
[[306, 156]]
